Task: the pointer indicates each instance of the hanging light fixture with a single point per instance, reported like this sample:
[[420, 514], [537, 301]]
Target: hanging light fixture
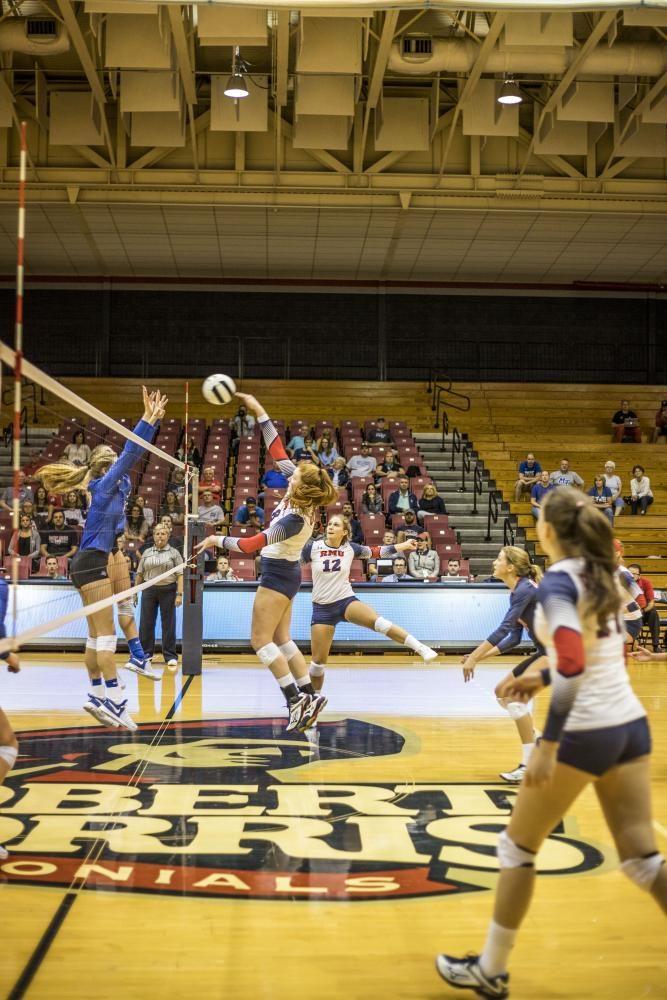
[[236, 86], [510, 93]]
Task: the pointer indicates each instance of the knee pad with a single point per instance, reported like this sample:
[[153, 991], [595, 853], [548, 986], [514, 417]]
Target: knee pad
[[91, 643], [643, 871], [106, 644], [268, 654], [289, 650], [517, 709], [9, 755], [510, 855], [316, 669], [126, 607], [382, 625]]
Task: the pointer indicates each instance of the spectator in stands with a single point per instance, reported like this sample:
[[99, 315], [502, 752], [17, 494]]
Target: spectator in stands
[[6, 499], [297, 443], [400, 572], [242, 426], [640, 488], [380, 433], [246, 509], [254, 522], [167, 595], [322, 441], [28, 507], [273, 479], [340, 477], [625, 424], [78, 452], [145, 510], [72, 509], [43, 507], [650, 616], [389, 538], [131, 562], [167, 523], [136, 525], [564, 476], [328, 453], [25, 542], [58, 540], [430, 502], [371, 500], [615, 485], [172, 506], [660, 422], [453, 571], [176, 484], [538, 491], [209, 511], [602, 497], [194, 457], [355, 533], [363, 464], [410, 527], [529, 474], [402, 499], [424, 563], [209, 482], [53, 569], [223, 572], [25, 493], [390, 466]]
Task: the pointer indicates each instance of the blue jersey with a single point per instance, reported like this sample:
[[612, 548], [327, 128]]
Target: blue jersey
[[520, 615], [109, 493]]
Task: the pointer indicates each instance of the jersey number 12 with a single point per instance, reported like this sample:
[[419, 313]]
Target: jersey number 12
[[331, 565]]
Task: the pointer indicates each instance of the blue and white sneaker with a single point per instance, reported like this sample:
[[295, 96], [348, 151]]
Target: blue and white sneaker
[[95, 707], [466, 974], [117, 714], [143, 669]]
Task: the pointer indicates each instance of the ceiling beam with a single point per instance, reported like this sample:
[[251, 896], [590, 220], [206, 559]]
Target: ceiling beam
[[376, 75], [159, 152], [177, 16], [649, 97], [321, 155]]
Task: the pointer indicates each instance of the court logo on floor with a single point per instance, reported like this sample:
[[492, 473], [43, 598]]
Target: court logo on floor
[[227, 809]]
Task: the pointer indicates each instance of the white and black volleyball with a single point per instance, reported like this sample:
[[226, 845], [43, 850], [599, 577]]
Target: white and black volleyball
[[218, 389]]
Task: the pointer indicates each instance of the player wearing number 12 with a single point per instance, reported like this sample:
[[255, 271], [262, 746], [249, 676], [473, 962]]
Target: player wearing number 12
[[334, 601]]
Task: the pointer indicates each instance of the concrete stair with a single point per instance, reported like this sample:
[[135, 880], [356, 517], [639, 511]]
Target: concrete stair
[[38, 439]]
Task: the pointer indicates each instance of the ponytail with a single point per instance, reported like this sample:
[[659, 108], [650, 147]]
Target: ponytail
[[315, 489], [59, 477]]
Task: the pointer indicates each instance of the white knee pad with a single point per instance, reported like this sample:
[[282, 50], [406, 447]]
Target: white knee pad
[[126, 608], [517, 709], [91, 643], [268, 654], [9, 755], [289, 650], [643, 871], [510, 855], [106, 644], [382, 625], [316, 670]]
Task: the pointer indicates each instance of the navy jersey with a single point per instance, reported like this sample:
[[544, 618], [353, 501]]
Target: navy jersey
[[520, 615], [4, 599]]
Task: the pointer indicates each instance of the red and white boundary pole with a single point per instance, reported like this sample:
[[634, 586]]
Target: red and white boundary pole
[[18, 358]]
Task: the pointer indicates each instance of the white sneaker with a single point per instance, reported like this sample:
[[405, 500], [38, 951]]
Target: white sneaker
[[143, 670], [172, 665], [4, 853], [311, 712], [427, 654], [117, 710], [514, 777], [466, 974], [297, 709], [95, 707]]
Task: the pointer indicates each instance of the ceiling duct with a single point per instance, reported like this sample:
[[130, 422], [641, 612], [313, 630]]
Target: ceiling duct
[[33, 36]]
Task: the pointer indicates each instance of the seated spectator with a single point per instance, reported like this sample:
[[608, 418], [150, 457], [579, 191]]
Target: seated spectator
[[625, 424], [430, 502], [327, 454], [453, 571], [136, 525], [209, 511], [242, 426], [43, 507], [72, 508], [297, 443], [640, 488], [326, 437], [223, 572], [246, 509], [660, 422], [424, 563], [58, 540], [356, 535], [254, 522], [171, 505], [7, 495], [615, 485], [193, 456], [538, 491], [78, 452], [650, 617], [602, 497], [371, 500], [340, 477], [409, 528], [273, 479], [564, 476], [390, 466], [168, 525], [26, 541], [209, 482], [402, 499], [375, 567], [529, 474], [400, 572], [176, 484], [146, 511], [363, 464], [53, 570], [28, 507], [6, 499], [309, 451], [380, 433], [131, 562]]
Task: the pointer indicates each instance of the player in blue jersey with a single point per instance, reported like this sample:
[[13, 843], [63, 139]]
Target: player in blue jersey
[[281, 544], [9, 746], [107, 480], [596, 733], [514, 568]]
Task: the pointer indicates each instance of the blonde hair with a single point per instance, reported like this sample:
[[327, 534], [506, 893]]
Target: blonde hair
[[431, 486], [314, 490], [58, 477], [519, 560], [347, 528]]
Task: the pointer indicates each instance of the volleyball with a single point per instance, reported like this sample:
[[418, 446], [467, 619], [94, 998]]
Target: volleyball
[[218, 389]]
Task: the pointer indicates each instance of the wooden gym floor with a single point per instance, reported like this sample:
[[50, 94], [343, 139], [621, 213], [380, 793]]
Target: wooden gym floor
[[337, 867]]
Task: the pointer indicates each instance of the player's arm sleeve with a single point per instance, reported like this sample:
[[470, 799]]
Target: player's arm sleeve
[[633, 589], [275, 447], [127, 458], [285, 527], [307, 554], [366, 551], [558, 596], [509, 632]]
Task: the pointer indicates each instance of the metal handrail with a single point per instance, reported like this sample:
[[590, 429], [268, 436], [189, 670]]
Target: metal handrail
[[456, 447], [477, 486], [509, 538], [465, 466], [27, 387], [445, 429], [8, 431], [495, 499]]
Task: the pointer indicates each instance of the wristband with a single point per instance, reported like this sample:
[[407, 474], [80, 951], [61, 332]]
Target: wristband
[[545, 674]]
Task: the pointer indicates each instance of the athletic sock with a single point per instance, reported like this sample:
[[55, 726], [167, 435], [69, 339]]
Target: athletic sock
[[136, 649], [305, 685], [499, 943], [288, 687], [97, 687], [113, 690], [526, 750], [412, 643]]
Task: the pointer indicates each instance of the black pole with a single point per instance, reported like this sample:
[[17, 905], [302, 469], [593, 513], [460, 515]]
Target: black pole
[[193, 606]]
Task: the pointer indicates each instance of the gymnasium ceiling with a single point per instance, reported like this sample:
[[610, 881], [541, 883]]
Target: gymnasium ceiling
[[371, 145]]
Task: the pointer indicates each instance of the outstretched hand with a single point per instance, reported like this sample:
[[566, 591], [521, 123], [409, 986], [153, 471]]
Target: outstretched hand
[[642, 654], [409, 545], [208, 543], [250, 402], [155, 404]]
